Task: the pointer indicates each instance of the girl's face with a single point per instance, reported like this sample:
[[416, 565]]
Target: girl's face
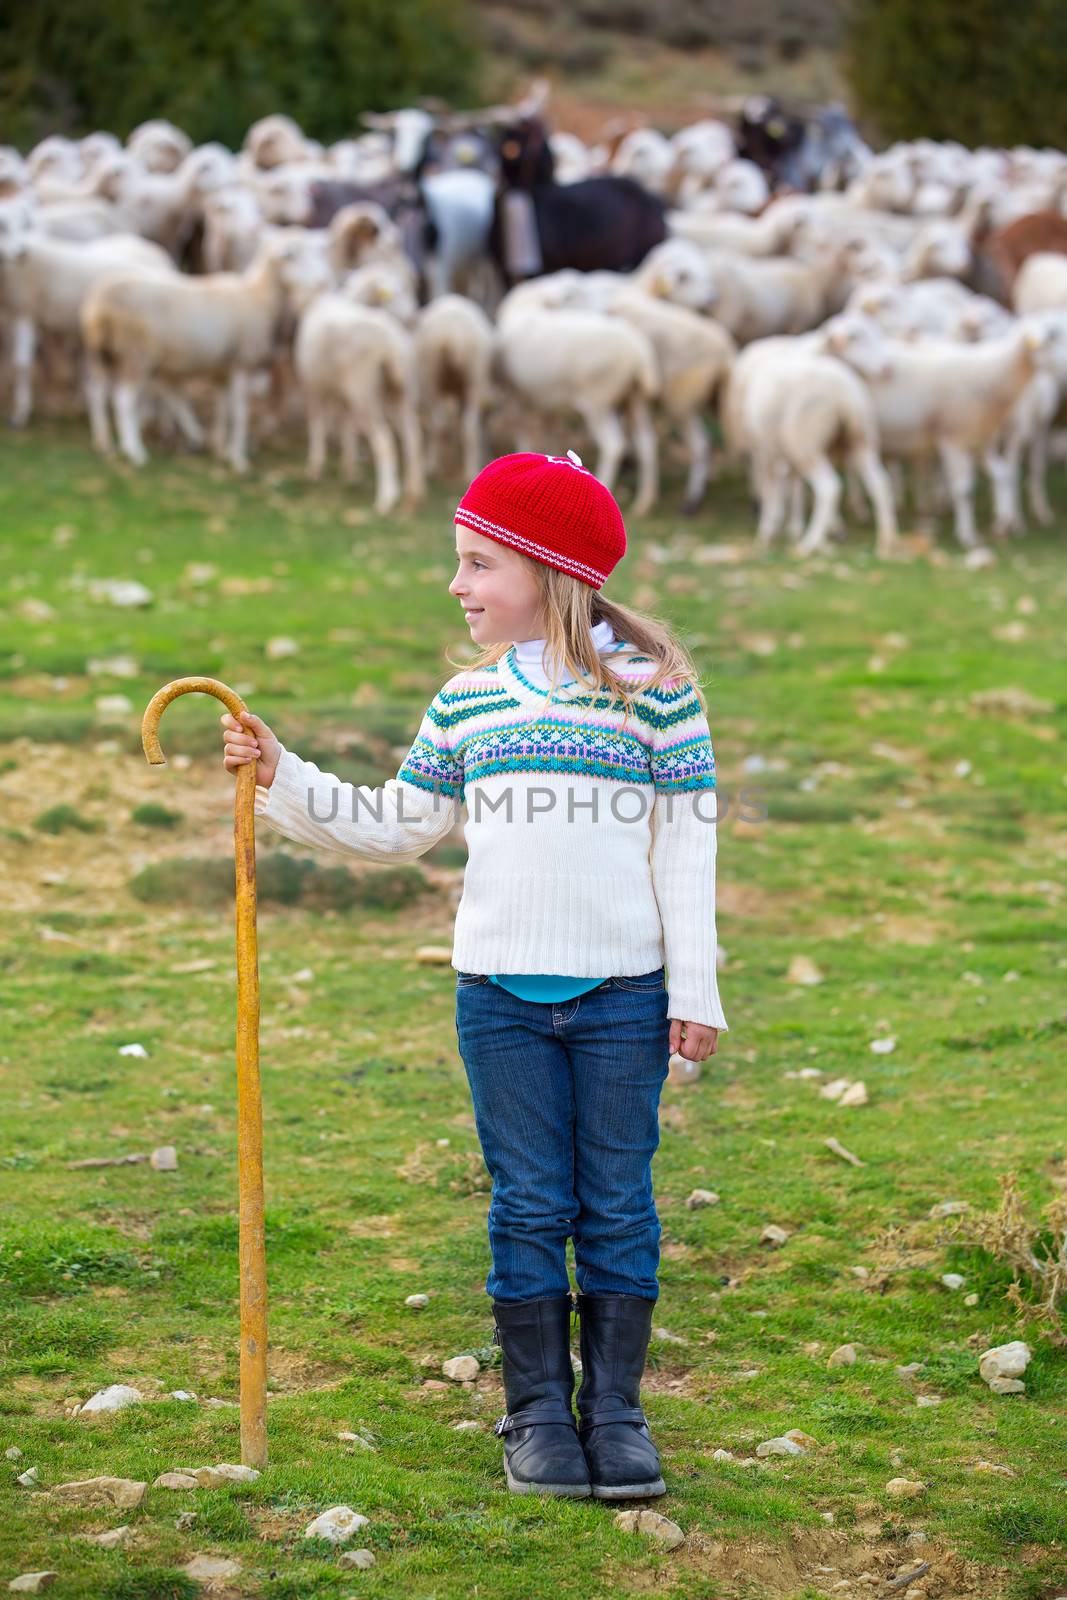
[[498, 592]]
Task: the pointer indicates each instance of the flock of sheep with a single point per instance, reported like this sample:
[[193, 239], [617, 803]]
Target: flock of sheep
[[832, 333]]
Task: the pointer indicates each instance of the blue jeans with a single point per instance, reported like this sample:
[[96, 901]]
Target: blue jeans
[[566, 1102]]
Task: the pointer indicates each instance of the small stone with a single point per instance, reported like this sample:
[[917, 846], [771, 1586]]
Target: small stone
[[904, 1488], [222, 1473], [928, 1400], [175, 1480], [1005, 1360], [434, 955], [435, 1383], [994, 1466], [779, 1446], [113, 1398], [12, 1453], [360, 1438], [884, 1047], [803, 970], [126, 1493], [165, 1159], [953, 1280], [843, 1356], [123, 592], [773, 1235], [109, 706], [949, 1208], [854, 1095], [110, 1539], [363, 1559], [137, 1050], [113, 667], [33, 1582], [28, 1479], [462, 1369], [186, 1520], [465, 1427], [701, 1197], [723, 1455], [417, 1302], [652, 1525], [1007, 1385], [970, 1299], [278, 649], [211, 1569], [804, 1440], [337, 1524], [834, 1089], [181, 1394]]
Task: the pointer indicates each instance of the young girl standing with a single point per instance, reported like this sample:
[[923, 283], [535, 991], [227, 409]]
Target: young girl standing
[[584, 942]]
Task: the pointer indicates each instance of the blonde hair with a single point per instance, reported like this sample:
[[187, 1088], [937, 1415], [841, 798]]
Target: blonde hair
[[569, 610]]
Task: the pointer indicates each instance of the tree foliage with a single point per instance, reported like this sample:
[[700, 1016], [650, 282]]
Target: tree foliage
[[980, 71], [71, 66]]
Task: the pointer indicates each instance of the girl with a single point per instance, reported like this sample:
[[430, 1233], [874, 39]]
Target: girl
[[584, 941]]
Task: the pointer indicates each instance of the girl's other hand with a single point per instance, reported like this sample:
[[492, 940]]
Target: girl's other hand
[[699, 1043], [250, 740]]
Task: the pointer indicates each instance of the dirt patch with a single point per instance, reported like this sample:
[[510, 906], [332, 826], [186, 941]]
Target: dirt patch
[[822, 1558], [289, 1372]]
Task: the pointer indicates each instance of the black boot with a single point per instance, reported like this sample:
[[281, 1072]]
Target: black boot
[[542, 1452], [623, 1462]]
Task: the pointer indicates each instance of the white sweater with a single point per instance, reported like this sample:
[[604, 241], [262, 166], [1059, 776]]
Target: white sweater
[[591, 842]]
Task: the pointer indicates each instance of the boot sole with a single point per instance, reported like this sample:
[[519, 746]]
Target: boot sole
[[629, 1491], [575, 1491]]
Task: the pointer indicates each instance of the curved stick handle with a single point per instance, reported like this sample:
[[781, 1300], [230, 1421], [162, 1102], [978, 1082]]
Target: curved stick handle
[[170, 691], [252, 1243]]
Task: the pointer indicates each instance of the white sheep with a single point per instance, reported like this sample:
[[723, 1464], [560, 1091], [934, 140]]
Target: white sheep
[[44, 283], [792, 409], [356, 366], [1041, 283], [952, 400], [221, 326], [454, 351], [159, 146], [561, 362]]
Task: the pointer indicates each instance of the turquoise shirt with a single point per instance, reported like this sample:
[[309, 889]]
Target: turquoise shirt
[[542, 985]]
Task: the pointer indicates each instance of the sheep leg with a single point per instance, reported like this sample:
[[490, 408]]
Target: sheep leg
[[644, 435], [383, 448], [826, 487], [875, 479], [796, 506], [23, 350], [318, 440], [1037, 475], [855, 484], [238, 451], [96, 399], [772, 479], [1003, 470], [177, 408], [699, 447], [610, 441], [959, 471], [128, 422]]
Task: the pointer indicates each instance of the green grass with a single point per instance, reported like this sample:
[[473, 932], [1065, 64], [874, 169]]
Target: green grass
[[929, 893]]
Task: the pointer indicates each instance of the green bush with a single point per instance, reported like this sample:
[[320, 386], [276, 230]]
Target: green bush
[[285, 879], [216, 67], [970, 70]]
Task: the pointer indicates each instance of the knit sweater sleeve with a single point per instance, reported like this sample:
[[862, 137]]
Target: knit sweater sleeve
[[399, 821], [683, 853]]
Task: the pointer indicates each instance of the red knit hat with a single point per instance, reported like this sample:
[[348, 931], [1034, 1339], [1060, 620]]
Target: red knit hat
[[552, 509]]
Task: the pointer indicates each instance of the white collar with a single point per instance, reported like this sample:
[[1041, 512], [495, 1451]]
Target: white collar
[[512, 669]]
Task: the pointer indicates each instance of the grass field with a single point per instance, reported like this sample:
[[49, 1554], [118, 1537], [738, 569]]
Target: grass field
[[913, 850]]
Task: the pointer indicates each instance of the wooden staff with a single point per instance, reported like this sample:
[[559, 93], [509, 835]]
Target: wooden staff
[[253, 1259]]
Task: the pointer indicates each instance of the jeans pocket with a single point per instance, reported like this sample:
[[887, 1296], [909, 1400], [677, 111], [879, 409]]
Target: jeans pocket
[[642, 981], [467, 980]]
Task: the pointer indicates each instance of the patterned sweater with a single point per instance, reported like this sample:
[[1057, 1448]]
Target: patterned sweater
[[591, 839]]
